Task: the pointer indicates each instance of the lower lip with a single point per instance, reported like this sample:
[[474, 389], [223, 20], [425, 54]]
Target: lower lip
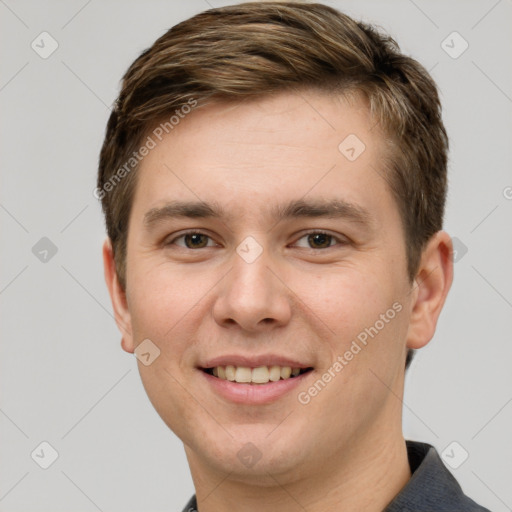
[[253, 394]]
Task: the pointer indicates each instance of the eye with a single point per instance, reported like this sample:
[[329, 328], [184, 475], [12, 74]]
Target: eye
[[321, 240], [193, 240], [315, 239]]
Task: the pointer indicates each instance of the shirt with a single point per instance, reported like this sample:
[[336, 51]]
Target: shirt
[[431, 488]]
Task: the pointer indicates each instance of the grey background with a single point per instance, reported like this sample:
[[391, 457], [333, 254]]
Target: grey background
[[64, 378]]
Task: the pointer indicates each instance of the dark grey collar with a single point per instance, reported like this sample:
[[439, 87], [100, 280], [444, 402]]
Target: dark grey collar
[[431, 487]]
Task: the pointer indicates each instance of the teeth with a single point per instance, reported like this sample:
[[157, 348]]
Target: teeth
[[259, 375], [286, 371], [243, 374], [230, 372], [274, 373]]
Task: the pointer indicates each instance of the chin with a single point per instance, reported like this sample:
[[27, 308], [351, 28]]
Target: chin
[[252, 454]]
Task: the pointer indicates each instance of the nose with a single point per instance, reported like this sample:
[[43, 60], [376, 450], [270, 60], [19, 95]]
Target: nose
[[253, 296]]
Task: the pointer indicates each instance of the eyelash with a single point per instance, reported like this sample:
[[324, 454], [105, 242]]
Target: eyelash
[[341, 242]]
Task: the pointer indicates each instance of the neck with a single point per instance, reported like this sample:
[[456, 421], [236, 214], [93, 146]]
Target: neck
[[367, 476]]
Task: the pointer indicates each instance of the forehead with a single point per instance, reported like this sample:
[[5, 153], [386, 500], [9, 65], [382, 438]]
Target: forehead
[[286, 124], [288, 144]]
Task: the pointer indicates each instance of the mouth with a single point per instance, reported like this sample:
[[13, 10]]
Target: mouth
[[254, 379], [255, 375]]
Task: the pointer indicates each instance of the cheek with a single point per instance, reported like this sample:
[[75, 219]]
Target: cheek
[[158, 299], [162, 310], [367, 323], [346, 299], [169, 306], [365, 313]]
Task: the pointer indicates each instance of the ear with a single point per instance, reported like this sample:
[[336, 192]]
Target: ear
[[118, 297], [432, 284]]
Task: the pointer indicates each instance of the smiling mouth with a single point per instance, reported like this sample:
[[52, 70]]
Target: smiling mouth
[[258, 375]]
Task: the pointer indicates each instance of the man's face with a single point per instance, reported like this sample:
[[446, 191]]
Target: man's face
[[250, 288]]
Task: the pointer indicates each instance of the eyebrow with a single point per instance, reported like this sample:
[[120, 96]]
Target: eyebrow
[[299, 208]]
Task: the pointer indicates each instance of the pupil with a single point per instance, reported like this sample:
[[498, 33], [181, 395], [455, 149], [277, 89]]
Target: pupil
[[321, 238], [196, 237]]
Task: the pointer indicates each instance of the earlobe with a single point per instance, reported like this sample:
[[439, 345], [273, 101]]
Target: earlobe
[[433, 281], [118, 297]]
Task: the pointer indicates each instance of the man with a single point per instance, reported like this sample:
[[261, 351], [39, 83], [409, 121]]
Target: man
[[273, 179]]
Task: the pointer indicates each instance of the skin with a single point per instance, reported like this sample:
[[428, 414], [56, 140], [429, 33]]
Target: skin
[[344, 450]]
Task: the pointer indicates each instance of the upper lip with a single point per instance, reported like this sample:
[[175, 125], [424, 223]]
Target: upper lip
[[253, 361]]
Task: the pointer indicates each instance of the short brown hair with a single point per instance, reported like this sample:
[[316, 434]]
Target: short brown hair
[[259, 48]]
